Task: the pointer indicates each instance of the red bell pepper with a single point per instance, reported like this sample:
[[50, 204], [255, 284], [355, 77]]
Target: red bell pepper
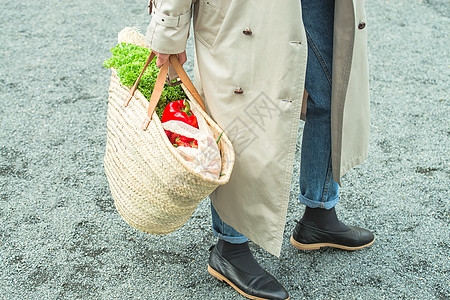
[[180, 111]]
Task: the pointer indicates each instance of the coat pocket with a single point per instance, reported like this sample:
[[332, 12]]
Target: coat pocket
[[209, 19]]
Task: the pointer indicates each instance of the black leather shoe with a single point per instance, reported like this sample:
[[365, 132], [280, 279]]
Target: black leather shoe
[[263, 287], [309, 237]]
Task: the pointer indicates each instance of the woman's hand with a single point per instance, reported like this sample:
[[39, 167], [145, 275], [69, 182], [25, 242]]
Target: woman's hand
[[162, 58]]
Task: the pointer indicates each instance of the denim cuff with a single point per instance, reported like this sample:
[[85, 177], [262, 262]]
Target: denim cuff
[[314, 204], [230, 239], [224, 231]]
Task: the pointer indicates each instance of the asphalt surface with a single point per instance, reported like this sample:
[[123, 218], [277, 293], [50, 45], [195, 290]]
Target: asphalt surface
[[61, 238]]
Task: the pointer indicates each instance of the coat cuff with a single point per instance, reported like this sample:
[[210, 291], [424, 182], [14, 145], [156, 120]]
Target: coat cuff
[[168, 34]]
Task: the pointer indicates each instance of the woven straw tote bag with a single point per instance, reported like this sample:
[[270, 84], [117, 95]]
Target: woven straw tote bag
[[153, 187]]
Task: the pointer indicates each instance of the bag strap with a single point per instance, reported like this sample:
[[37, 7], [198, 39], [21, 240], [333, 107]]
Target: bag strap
[[185, 80], [159, 85], [134, 87], [156, 93]]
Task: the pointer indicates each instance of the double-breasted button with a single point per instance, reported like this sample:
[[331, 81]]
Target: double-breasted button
[[362, 25], [247, 31], [238, 90]]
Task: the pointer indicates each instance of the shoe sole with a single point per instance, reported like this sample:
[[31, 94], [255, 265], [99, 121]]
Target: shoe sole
[[317, 246], [219, 276]]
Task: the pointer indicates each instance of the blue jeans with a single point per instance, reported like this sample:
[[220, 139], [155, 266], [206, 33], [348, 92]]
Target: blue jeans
[[224, 231], [317, 187]]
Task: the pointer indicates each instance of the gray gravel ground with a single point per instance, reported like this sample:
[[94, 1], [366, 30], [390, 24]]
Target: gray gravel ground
[[61, 237]]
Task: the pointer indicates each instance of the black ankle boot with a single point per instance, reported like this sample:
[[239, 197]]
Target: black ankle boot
[[240, 256], [253, 283], [325, 219], [321, 228]]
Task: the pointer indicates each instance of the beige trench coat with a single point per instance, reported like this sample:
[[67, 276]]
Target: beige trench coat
[[250, 69]]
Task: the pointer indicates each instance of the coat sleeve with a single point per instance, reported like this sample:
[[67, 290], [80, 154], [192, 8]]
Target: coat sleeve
[[168, 30]]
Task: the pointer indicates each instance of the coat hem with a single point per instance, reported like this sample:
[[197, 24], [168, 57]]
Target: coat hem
[[355, 161], [290, 163], [336, 145]]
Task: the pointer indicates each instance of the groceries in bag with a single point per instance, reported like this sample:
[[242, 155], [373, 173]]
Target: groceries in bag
[[188, 131]]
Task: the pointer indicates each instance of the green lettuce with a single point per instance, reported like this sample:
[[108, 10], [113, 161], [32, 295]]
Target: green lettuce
[[129, 60]]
